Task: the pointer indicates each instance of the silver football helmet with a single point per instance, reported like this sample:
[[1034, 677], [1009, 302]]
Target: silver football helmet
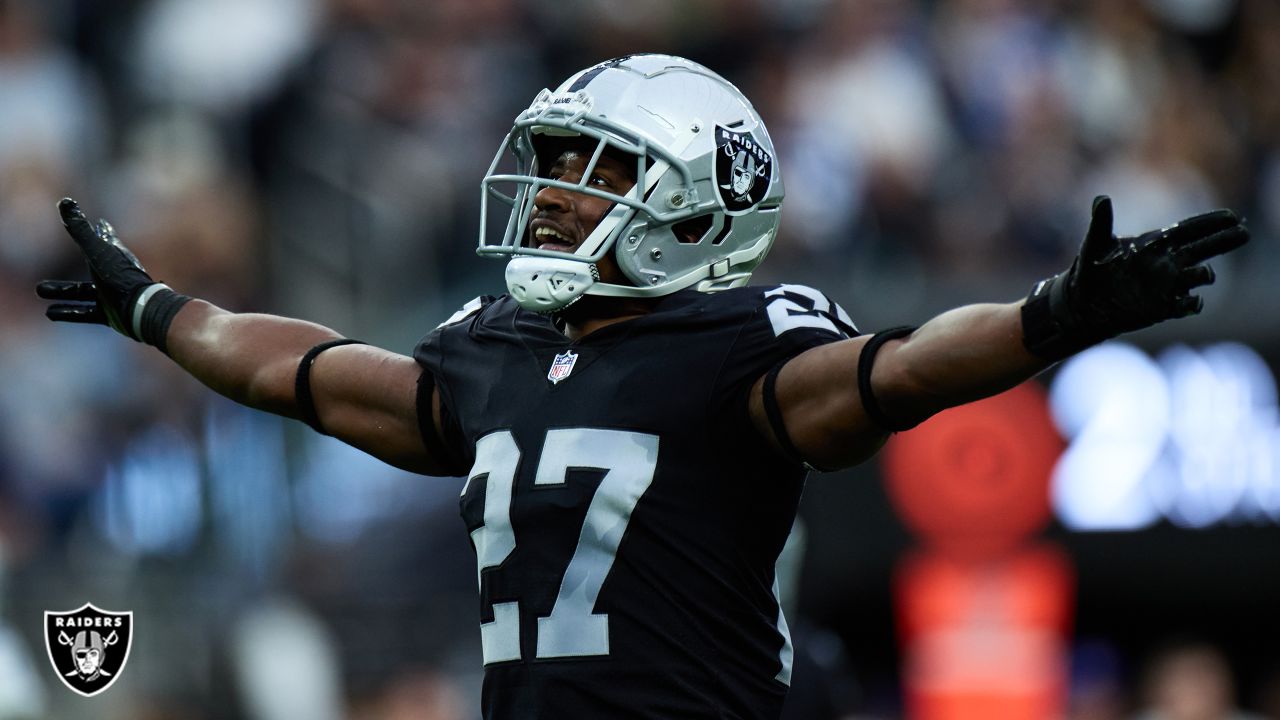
[[702, 154]]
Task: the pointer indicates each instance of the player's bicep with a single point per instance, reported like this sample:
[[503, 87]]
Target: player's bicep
[[368, 398], [818, 407]]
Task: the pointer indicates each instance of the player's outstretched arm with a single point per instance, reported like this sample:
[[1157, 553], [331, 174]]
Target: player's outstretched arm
[[362, 395], [839, 401]]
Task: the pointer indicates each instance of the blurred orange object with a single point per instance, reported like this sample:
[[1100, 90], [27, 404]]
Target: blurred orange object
[[983, 620], [973, 481], [988, 640]]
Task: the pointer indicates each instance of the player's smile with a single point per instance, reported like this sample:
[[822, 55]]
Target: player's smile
[[550, 235]]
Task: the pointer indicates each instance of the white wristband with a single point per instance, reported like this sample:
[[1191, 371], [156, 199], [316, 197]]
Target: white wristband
[[140, 303]]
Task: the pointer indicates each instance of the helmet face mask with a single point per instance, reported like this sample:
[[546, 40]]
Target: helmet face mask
[[674, 118]]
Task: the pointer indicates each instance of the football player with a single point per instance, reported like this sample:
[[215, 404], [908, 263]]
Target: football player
[[634, 420]]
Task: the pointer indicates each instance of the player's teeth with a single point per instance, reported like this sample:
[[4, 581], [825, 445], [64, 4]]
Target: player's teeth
[[548, 231]]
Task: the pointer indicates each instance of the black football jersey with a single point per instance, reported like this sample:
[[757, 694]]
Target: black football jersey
[[625, 513]]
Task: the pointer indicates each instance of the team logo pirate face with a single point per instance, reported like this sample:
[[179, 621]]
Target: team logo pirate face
[[87, 650], [743, 170], [88, 647]]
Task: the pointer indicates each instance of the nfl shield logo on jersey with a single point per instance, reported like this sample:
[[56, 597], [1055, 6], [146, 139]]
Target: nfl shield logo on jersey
[[88, 647], [562, 366]]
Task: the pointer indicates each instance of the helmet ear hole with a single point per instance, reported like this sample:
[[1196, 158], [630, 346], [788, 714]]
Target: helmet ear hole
[[693, 230]]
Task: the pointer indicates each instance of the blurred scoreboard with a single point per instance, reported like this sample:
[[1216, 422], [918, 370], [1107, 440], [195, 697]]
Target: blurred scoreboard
[[1191, 436]]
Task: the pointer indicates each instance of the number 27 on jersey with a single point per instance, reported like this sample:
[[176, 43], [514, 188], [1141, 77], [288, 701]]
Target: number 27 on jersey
[[572, 629]]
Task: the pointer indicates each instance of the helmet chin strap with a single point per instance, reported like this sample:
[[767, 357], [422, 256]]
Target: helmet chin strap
[[545, 285]]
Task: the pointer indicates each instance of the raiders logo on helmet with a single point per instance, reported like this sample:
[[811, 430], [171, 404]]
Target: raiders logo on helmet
[[743, 170], [88, 647]]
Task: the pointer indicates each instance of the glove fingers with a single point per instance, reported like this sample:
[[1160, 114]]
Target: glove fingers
[[65, 312], [1099, 240], [1187, 305], [108, 233], [1201, 225], [1192, 278], [66, 290], [77, 224], [1216, 244]]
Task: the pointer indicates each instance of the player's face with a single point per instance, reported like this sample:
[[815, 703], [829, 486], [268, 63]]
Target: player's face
[[562, 220]]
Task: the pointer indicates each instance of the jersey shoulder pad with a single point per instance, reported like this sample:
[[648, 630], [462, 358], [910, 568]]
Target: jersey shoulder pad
[[472, 307], [777, 323], [788, 307], [428, 350]]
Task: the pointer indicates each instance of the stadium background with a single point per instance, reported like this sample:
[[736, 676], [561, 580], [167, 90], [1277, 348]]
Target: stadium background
[[322, 159]]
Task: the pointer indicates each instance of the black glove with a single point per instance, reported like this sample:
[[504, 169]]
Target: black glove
[[1119, 284], [121, 295]]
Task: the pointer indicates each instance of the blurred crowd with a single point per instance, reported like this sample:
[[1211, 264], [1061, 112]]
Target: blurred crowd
[[322, 159]]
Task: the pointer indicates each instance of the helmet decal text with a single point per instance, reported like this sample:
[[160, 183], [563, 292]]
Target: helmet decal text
[[743, 171]]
